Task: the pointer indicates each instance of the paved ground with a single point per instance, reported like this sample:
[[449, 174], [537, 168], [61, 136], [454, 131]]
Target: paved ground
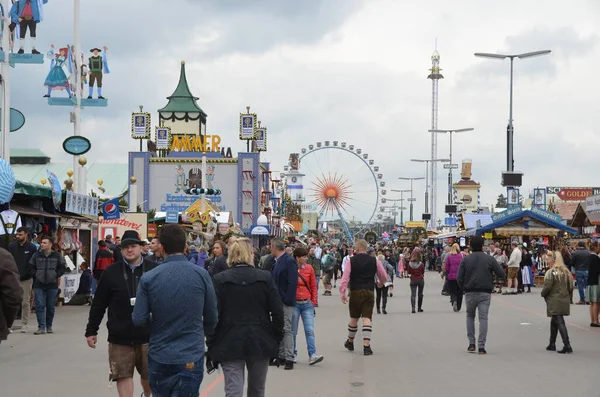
[[417, 355]]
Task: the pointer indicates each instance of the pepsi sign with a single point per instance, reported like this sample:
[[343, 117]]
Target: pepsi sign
[[110, 209]]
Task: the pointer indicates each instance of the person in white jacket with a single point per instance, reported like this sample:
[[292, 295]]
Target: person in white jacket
[[514, 264]]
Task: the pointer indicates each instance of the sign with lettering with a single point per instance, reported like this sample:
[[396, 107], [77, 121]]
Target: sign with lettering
[[127, 221], [546, 214], [505, 214], [195, 143], [573, 193], [414, 224], [140, 125], [163, 138]]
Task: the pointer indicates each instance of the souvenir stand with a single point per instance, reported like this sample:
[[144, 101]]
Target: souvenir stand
[[536, 227]]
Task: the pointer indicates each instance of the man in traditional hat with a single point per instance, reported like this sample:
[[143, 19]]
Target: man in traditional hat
[[98, 65], [127, 343]]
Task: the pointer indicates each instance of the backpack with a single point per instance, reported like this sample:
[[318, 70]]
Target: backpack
[[329, 263]]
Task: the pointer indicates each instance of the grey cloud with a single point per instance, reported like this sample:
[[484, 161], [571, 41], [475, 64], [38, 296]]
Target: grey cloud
[[565, 43]]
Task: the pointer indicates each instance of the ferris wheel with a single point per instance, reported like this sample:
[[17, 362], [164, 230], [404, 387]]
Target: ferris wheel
[[343, 183]]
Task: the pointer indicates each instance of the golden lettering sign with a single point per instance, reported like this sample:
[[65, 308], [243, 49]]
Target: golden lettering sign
[[194, 143]]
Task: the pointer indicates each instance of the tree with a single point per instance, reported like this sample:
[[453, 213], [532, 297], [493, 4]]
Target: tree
[[502, 202]]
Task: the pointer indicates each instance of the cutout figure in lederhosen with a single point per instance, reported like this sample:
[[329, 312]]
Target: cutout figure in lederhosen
[[27, 13], [97, 66]]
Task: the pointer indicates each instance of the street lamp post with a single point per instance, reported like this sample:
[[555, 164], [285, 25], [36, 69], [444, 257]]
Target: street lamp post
[[451, 166], [510, 163], [411, 199], [402, 207], [426, 161]]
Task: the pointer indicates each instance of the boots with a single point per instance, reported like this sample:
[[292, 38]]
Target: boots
[[412, 303], [564, 335], [553, 333], [420, 303]]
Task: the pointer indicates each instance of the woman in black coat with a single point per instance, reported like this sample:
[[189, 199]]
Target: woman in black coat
[[250, 322]]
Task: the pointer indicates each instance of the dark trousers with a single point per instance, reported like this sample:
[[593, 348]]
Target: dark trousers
[[381, 293], [24, 24], [456, 294], [557, 324], [414, 286]]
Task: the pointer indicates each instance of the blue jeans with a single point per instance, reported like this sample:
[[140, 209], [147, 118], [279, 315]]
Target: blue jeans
[[307, 312], [175, 380], [45, 305], [582, 276]]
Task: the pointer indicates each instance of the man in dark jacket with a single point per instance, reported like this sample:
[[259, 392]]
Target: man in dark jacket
[[22, 250], [46, 267], [104, 258], [285, 274], [476, 278], [580, 261], [83, 295], [128, 344], [11, 293]]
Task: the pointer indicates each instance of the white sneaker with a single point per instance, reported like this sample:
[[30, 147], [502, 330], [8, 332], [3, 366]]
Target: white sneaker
[[296, 359], [316, 358], [24, 329]]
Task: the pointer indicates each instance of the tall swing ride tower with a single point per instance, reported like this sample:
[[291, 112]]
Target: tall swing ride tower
[[435, 75]]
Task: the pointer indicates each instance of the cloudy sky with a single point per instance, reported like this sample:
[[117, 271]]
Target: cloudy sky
[[346, 70]]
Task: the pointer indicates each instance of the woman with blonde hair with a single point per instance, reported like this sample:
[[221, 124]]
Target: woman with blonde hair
[[250, 324], [558, 287]]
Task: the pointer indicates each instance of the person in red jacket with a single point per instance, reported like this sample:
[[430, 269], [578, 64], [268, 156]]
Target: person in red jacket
[[104, 258], [306, 301], [416, 270]]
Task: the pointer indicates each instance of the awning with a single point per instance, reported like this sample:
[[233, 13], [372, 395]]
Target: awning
[[553, 225], [521, 231], [32, 190], [25, 210]]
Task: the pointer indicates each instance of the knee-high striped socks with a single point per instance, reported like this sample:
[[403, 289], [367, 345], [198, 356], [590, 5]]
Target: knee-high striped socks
[[366, 331], [352, 332]]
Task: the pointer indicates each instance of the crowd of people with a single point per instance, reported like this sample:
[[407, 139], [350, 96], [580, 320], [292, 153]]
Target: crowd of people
[[239, 308]]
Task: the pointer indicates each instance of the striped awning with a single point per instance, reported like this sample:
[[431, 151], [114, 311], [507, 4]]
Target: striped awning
[[521, 231]]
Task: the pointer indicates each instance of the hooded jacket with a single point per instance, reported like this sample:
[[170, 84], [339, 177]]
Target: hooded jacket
[[416, 270]]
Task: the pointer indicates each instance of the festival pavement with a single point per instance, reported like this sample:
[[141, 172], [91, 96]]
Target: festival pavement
[[416, 355]]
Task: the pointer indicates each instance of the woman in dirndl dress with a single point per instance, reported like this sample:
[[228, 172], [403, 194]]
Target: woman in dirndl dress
[[594, 284], [57, 78]]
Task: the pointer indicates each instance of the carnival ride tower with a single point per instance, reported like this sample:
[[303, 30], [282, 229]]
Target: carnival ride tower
[[435, 76]]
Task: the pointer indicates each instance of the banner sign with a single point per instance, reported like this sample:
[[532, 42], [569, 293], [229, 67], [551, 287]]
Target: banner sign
[[140, 125], [247, 126], [261, 139], [163, 138], [111, 210], [81, 204], [546, 214], [505, 214], [414, 224], [573, 193], [592, 203], [539, 197]]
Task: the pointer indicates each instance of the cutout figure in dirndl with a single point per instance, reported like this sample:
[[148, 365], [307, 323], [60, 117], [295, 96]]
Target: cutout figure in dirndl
[[57, 78]]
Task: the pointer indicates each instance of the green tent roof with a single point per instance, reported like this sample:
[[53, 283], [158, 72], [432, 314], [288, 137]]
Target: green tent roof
[[182, 100], [31, 189]]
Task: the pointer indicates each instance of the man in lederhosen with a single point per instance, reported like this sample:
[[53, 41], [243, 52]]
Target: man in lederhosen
[[97, 66], [27, 13]]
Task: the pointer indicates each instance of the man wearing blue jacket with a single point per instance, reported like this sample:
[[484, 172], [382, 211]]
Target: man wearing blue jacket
[[28, 13], [285, 274]]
